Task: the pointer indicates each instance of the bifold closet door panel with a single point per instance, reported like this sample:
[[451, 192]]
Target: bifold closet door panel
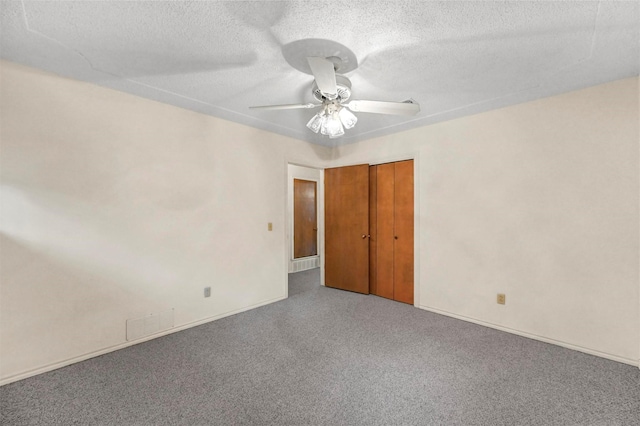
[[385, 230], [403, 222]]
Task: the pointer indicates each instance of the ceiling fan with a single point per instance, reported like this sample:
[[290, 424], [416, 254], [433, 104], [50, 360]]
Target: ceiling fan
[[332, 91]]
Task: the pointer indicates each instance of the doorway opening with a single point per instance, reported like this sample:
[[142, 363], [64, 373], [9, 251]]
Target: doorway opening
[[304, 217]]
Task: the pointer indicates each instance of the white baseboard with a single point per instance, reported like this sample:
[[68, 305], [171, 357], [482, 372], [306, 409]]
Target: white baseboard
[[535, 337], [84, 357]]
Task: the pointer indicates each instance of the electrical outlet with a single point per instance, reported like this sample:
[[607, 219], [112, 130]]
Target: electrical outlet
[[207, 292], [501, 299]]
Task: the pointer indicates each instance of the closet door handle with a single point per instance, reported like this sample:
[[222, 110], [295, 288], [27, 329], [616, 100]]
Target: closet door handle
[[395, 237], [365, 236]]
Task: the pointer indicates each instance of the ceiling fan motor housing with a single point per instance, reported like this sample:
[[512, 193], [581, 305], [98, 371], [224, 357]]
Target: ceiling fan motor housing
[[343, 91]]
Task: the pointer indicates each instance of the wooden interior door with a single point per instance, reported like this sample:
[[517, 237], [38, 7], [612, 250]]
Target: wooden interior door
[[305, 220], [347, 228]]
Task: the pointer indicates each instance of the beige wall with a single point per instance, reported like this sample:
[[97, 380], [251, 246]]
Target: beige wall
[[115, 207], [538, 201]]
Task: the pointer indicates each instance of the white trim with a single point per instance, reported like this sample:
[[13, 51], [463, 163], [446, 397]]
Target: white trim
[[382, 160], [64, 363], [285, 230], [533, 336], [416, 230], [320, 212]]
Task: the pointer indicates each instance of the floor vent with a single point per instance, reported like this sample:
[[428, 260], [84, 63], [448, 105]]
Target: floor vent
[[305, 263], [147, 325]]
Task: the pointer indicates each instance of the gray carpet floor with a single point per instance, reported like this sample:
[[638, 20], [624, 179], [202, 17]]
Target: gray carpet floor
[[328, 357]]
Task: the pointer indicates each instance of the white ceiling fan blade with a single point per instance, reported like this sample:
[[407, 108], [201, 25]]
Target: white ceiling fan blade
[[325, 75], [382, 107], [288, 106]]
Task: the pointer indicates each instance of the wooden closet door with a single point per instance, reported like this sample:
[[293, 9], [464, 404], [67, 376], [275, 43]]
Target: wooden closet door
[[347, 227], [403, 238]]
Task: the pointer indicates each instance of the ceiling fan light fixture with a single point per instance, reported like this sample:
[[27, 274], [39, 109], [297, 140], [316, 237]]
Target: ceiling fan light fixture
[[348, 118], [331, 122], [332, 90]]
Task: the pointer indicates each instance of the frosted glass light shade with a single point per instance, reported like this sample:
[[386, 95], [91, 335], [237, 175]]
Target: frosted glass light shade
[[324, 121], [348, 119], [315, 123], [334, 126]]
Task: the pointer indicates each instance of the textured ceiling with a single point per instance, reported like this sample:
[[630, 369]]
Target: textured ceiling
[[220, 57]]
